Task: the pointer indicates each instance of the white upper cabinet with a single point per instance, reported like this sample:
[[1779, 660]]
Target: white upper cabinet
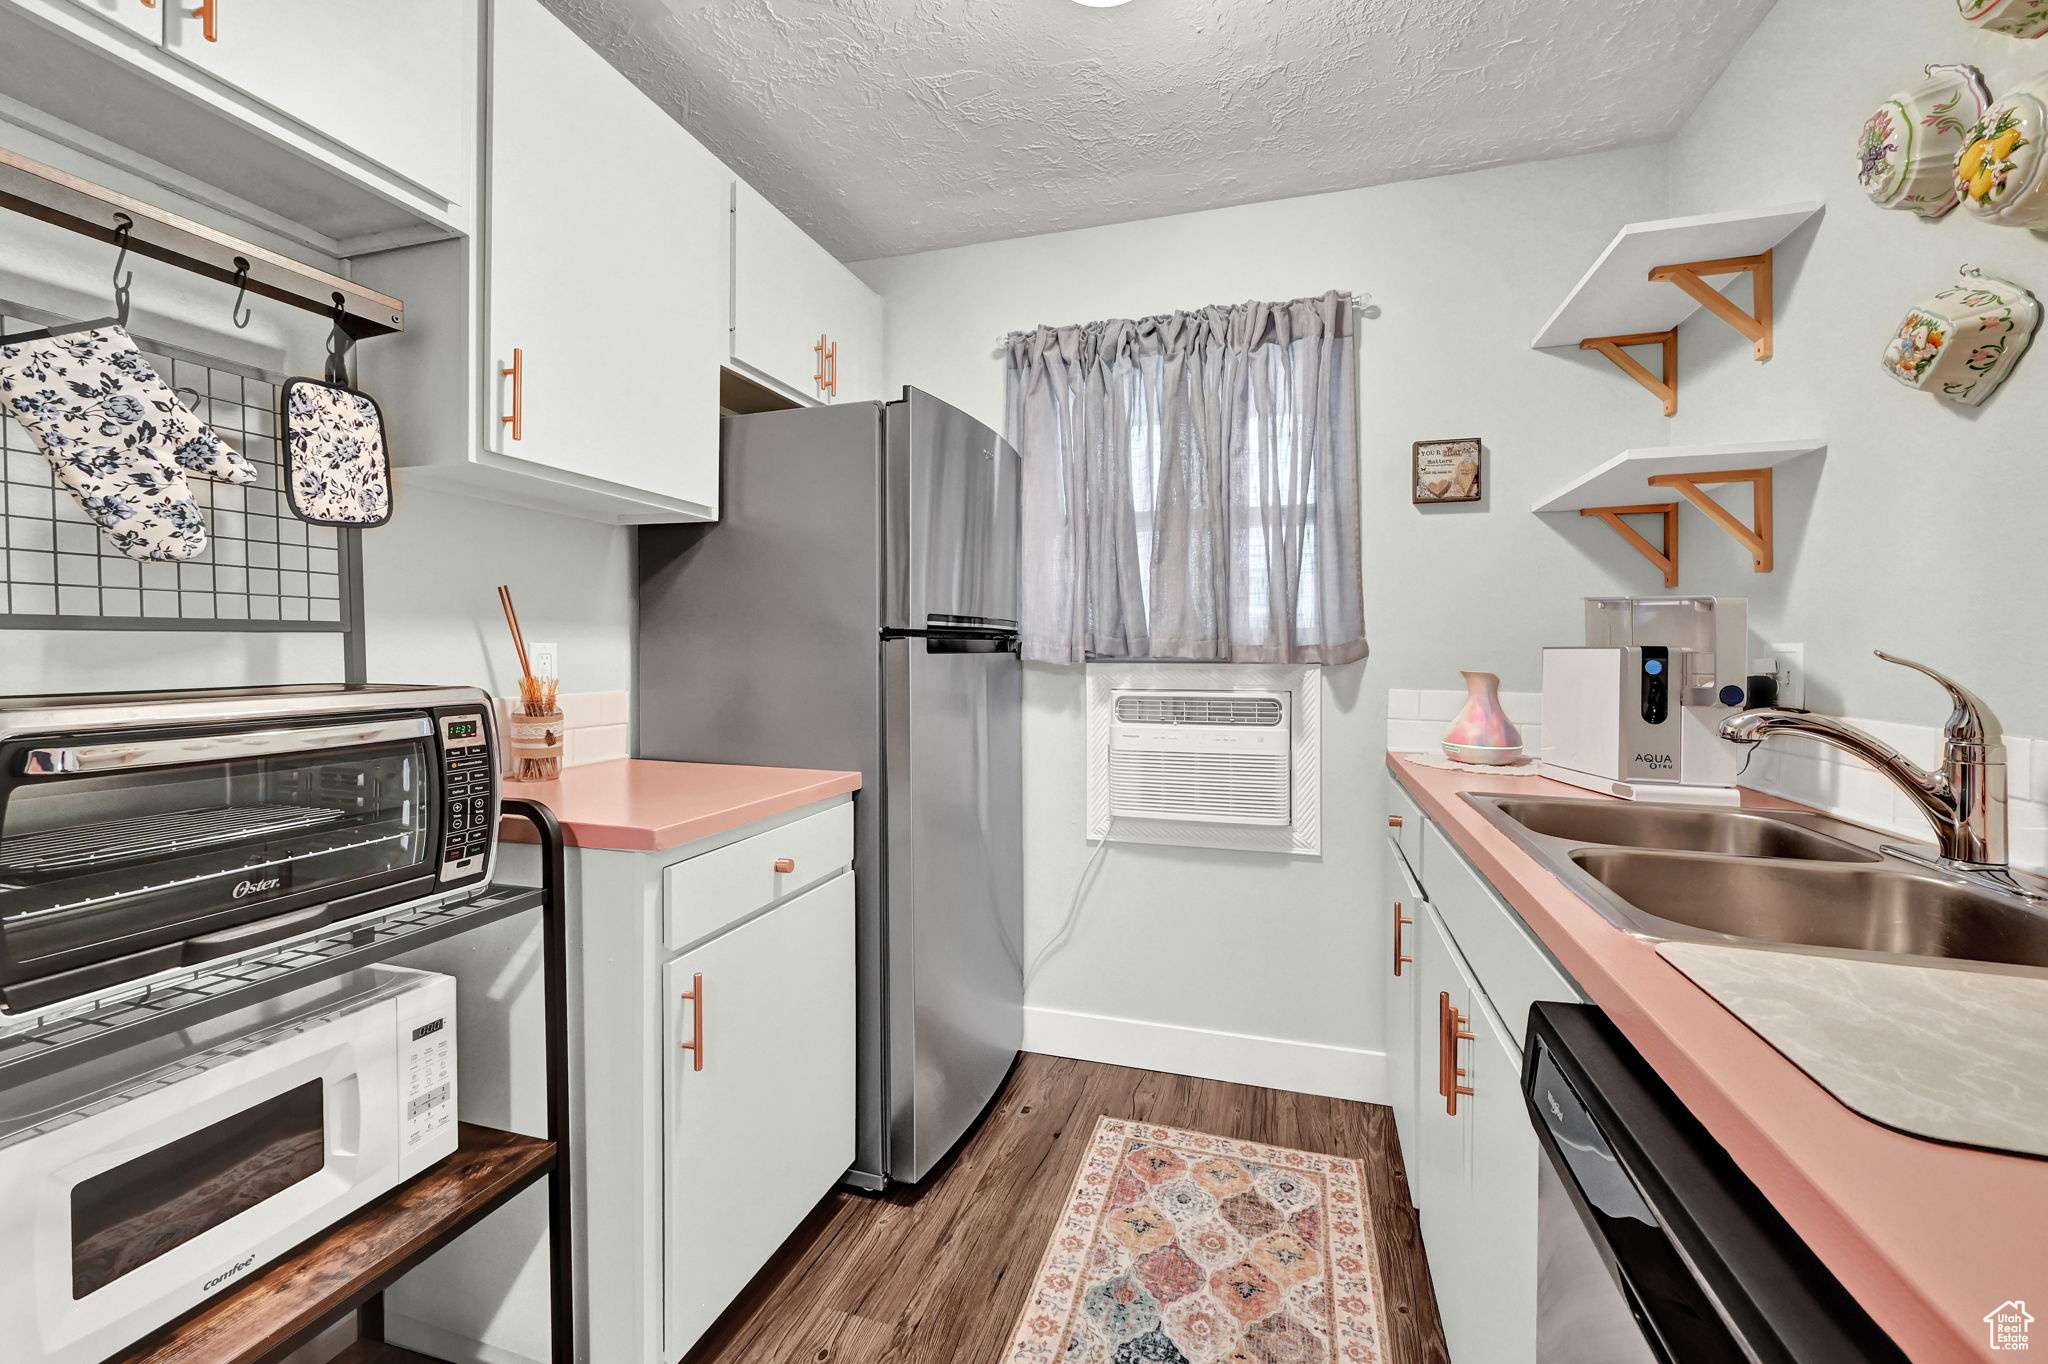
[[800, 319], [386, 79], [604, 277]]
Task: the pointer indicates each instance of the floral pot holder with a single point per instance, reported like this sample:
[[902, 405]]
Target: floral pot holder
[[337, 467], [118, 439]]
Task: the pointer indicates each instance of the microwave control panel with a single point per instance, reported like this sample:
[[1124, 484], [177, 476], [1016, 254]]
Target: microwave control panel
[[427, 1078], [467, 797]]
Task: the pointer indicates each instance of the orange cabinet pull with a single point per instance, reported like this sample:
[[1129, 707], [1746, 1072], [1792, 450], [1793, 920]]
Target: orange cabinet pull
[[832, 359], [516, 372], [819, 377], [1400, 921], [785, 865], [1451, 1030], [1393, 821], [694, 997], [208, 15]]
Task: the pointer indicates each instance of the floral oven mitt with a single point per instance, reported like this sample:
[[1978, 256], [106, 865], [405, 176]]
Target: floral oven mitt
[[118, 438]]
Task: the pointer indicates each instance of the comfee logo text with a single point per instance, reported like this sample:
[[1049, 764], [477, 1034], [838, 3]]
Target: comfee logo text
[[238, 1267]]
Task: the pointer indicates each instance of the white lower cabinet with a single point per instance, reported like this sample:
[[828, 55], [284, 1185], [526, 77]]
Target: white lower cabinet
[[1454, 1031], [759, 1095], [705, 1129]]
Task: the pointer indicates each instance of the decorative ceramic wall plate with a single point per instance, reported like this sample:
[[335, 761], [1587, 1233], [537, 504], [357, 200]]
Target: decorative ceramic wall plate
[[1961, 343], [2020, 18], [1907, 151], [1999, 171]]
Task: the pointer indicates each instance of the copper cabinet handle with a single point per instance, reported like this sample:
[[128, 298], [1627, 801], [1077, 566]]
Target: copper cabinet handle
[[785, 865], [1393, 821], [516, 372], [208, 15], [832, 359], [819, 377], [1451, 1030], [1400, 920], [695, 1046]]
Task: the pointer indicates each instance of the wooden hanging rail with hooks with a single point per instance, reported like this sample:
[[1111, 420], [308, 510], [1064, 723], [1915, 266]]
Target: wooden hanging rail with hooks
[[58, 197]]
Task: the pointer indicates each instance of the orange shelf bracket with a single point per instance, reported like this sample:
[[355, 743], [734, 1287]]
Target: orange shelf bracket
[[1666, 557], [1691, 278], [1758, 538], [1666, 388]]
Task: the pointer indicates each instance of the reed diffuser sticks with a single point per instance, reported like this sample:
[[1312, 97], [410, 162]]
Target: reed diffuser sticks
[[536, 739]]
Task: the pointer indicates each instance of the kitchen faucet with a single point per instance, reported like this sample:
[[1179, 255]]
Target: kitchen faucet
[[1965, 800]]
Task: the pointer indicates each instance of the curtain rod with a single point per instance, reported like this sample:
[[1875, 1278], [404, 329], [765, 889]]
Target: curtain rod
[[1358, 297], [55, 196]]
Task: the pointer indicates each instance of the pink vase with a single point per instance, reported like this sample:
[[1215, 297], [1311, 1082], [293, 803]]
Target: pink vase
[[1482, 733]]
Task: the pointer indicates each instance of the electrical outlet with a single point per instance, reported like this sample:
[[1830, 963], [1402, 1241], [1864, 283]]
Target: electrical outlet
[[546, 662], [1788, 664]]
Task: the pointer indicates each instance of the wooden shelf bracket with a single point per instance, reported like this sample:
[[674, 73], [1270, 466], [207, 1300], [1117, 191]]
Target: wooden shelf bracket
[[1664, 557], [1665, 388], [1691, 278], [1758, 539]]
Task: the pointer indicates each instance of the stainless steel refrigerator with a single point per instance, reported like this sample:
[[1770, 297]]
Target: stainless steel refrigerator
[[855, 607]]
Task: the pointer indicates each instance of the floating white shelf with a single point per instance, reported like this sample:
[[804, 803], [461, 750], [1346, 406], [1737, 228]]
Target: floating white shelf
[[1624, 481], [1617, 297]]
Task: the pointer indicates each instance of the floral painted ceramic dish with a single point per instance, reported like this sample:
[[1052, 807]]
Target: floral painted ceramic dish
[[2020, 18], [1962, 342], [1999, 171], [1907, 150]]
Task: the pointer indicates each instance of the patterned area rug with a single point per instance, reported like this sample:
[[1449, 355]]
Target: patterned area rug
[[1183, 1248]]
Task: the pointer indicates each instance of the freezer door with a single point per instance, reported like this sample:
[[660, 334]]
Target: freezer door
[[955, 890], [950, 518]]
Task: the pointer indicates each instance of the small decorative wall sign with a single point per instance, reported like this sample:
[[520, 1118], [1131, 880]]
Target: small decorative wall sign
[[1447, 470], [1962, 342], [1907, 150], [2020, 18]]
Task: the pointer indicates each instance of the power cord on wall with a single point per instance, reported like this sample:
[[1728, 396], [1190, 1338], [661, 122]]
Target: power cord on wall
[[1081, 886]]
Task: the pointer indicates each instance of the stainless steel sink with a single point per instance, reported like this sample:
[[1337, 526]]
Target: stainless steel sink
[[1797, 881], [1858, 908], [1679, 828]]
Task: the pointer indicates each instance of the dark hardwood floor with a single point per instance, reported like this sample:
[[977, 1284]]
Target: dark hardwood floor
[[938, 1274]]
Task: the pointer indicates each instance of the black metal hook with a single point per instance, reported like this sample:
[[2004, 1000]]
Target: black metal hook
[[339, 343], [238, 314], [123, 225]]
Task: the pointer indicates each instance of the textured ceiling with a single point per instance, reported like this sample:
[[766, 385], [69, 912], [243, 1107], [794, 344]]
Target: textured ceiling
[[890, 126]]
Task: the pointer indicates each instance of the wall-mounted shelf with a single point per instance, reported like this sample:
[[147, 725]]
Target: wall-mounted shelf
[[1654, 275], [1652, 482]]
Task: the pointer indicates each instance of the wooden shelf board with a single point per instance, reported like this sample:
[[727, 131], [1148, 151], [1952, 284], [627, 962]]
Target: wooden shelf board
[[1617, 297], [299, 1294], [1624, 481]]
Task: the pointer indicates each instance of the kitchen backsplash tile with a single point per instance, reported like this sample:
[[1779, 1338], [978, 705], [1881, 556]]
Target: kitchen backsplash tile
[[595, 725]]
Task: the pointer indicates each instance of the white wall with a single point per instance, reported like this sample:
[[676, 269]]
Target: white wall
[[1920, 536], [1463, 270]]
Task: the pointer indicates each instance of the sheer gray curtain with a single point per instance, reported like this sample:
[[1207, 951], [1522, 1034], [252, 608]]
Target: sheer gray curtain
[[1191, 486]]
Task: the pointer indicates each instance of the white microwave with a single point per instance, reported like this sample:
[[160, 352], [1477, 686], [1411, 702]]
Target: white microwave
[[136, 1186]]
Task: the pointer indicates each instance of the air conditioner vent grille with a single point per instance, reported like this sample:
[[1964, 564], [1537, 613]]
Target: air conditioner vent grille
[[1217, 709], [1202, 787]]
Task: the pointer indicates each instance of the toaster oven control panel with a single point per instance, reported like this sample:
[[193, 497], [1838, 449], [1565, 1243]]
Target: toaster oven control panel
[[466, 794]]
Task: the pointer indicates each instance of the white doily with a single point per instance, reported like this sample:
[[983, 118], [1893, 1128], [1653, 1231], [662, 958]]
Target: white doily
[[1523, 766]]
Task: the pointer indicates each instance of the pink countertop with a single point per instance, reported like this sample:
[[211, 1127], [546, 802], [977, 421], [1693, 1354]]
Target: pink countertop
[[1928, 1237], [639, 806]]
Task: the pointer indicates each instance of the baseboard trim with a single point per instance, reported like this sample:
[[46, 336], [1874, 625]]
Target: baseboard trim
[[1275, 1063]]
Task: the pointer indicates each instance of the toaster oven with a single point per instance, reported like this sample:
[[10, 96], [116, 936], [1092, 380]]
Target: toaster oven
[[141, 833]]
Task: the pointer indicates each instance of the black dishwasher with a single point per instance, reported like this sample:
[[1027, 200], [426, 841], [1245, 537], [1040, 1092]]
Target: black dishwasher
[[1653, 1247]]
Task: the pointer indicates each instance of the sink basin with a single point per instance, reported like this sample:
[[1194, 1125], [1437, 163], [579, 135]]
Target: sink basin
[[1860, 908], [1679, 828]]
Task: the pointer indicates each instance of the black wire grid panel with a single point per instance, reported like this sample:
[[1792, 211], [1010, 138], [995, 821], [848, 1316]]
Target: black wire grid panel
[[263, 569]]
